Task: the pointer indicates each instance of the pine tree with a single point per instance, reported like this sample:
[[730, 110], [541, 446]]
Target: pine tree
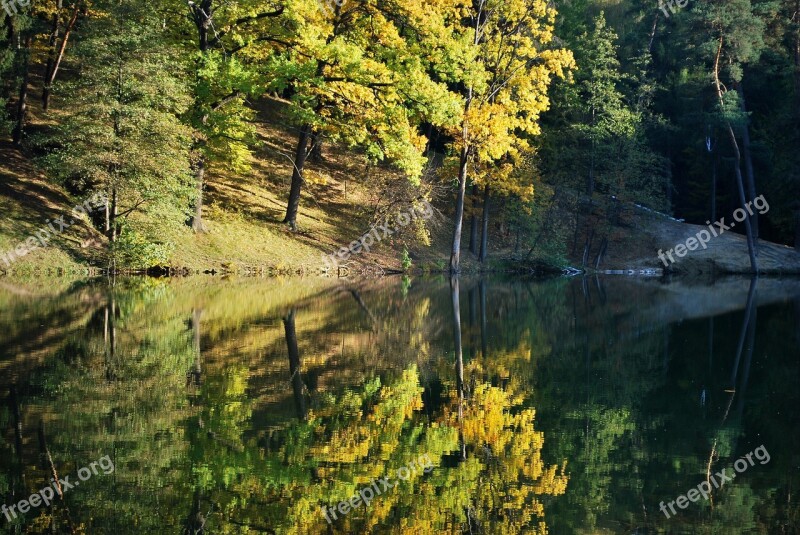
[[596, 136], [736, 38]]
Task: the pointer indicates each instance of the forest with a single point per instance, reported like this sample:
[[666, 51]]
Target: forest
[[268, 132], [533, 242]]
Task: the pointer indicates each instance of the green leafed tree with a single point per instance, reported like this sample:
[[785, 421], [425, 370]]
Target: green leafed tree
[[219, 37], [351, 77], [122, 133], [734, 37], [596, 138]]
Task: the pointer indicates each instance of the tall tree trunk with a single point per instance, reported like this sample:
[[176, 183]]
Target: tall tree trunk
[[203, 18], [6, 85], [111, 225], [748, 167], [107, 213], [590, 178], [455, 254], [797, 229], [473, 222], [52, 45], [670, 189], [22, 103], [200, 176], [56, 55], [713, 187], [297, 177], [751, 247], [797, 57], [485, 224], [737, 162]]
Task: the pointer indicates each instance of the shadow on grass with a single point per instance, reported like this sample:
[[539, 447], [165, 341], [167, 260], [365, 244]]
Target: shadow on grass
[[29, 202]]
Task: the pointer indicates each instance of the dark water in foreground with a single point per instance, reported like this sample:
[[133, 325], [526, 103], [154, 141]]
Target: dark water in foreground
[[244, 406]]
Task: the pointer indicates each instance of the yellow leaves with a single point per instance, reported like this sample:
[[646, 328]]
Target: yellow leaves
[[315, 177], [366, 434], [502, 59], [486, 417]]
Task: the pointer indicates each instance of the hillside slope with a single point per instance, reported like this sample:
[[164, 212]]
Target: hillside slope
[[343, 197]]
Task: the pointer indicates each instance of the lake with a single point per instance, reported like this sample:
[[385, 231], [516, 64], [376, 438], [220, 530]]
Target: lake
[[424, 405]]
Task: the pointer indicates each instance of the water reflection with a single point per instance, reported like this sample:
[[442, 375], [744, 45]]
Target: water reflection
[[573, 406]]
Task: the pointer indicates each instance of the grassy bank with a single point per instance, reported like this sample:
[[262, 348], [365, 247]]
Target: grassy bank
[[342, 198], [242, 212]]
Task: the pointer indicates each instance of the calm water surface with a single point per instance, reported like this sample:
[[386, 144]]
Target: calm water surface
[[490, 406]]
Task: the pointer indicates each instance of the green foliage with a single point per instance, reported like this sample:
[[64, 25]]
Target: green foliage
[[405, 260], [135, 250], [219, 114], [354, 78], [11, 59], [596, 133], [121, 133]]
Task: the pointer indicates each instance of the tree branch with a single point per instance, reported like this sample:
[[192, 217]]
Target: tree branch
[[244, 20]]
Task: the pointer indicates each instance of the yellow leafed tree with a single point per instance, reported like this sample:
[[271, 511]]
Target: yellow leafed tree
[[499, 55]]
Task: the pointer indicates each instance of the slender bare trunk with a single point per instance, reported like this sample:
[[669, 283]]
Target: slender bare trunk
[[797, 57], [111, 225], [714, 187], [737, 163], [797, 229], [455, 255], [200, 175], [52, 45], [748, 166], [22, 103], [57, 55]]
